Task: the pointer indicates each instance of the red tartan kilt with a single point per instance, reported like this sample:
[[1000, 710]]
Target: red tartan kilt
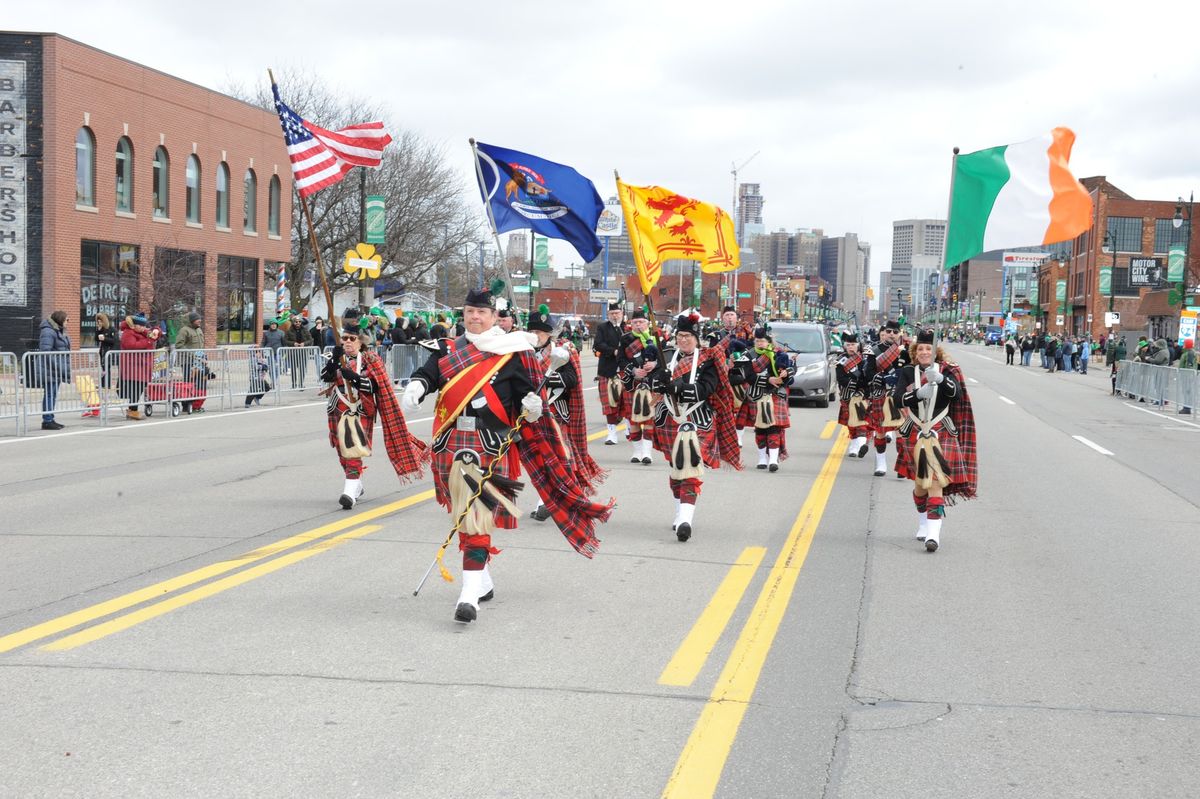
[[442, 461], [959, 468], [875, 412], [368, 420], [626, 399], [746, 413], [664, 439], [844, 414]]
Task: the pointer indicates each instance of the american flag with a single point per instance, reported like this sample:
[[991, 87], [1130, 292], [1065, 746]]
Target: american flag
[[322, 157]]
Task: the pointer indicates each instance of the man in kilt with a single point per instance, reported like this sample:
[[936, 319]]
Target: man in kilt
[[489, 415], [693, 425], [884, 362], [360, 391], [765, 372], [852, 379], [564, 398], [607, 346], [733, 337], [937, 442], [639, 356]]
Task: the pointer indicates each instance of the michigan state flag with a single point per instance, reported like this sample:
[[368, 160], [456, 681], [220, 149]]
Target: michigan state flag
[[524, 191]]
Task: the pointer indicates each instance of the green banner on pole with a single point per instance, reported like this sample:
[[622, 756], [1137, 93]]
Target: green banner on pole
[[376, 219], [1060, 290], [541, 252], [1175, 263], [1106, 280], [1033, 294]]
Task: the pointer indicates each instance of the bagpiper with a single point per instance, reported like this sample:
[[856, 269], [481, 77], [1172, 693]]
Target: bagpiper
[[639, 357], [693, 424], [607, 346], [733, 337], [765, 372], [564, 399], [937, 442], [852, 381], [489, 417], [359, 392], [884, 362]]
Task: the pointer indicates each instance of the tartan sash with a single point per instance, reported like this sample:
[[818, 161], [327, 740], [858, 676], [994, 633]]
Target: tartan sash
[[472, 369]]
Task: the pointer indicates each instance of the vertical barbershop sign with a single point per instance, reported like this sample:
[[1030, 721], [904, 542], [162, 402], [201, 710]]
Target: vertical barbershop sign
[[13, 188]]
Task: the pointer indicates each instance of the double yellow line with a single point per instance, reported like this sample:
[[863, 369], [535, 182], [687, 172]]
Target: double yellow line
[[158, 591], [699, 768]]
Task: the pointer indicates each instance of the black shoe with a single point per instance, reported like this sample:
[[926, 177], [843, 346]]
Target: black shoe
[[489, 596], [761, 466], [609, 443], [645, 461], [635, 459], [541, 513], [862, 451], [774, 467], [465, 612], [879, 473], [346, 501], [683, 532], [931, 545], [51, 425]]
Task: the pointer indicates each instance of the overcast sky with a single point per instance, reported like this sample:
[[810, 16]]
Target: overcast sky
[[853, 106]]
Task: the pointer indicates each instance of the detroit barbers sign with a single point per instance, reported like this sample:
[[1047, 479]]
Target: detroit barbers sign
[[14, 245]]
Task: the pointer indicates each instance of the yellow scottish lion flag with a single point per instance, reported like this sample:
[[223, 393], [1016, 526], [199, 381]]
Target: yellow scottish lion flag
[[663, 224]]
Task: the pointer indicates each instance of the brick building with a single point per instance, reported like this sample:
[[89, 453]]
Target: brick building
[[1141, 231], [125, 189]]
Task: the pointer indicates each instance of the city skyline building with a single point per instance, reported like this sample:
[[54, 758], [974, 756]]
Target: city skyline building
[[911, 237]]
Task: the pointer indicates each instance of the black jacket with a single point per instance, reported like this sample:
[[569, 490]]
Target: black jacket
[[607, 346], [511, 384], [905, 392]]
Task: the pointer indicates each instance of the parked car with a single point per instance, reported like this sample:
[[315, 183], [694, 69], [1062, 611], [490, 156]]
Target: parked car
[[808, 347], [994, 335]]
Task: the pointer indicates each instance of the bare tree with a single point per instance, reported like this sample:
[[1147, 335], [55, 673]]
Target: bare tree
[[428, 220]]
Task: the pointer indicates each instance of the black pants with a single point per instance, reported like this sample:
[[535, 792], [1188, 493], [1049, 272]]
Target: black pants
[[1009, 357]]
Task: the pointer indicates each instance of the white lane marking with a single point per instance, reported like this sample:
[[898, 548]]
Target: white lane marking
[[984, 357], [1160, 415], [1006, 399], [1091, 444], [972, 380]]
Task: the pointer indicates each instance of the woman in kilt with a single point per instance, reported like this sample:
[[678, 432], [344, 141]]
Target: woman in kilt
[[358, 387], [937, 442]]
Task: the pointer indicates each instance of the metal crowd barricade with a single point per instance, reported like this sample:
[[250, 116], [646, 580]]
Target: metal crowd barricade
[[299, 368], [1187, 388], [403, 361], [198, 377], [65, 384], [250, 375], [10, 390]]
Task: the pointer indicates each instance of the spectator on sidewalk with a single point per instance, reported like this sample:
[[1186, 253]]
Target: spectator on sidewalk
[[192, 363], [1068, 353], [1085, 354], [52, 337], [1188, 362], [1010, 349], [108, 339], [135, 363], [1026, 349], [1113, 356]]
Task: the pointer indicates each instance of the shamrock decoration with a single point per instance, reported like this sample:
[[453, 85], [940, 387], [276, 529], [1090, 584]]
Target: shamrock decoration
[[364, 260]]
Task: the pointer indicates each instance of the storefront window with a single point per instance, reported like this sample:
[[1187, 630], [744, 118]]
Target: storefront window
[[178, 287], [237, 299], [108, 284]]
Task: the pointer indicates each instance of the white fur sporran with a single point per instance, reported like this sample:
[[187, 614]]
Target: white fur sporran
[[687, 461], [641, 406], [351, 438], [764, 412]]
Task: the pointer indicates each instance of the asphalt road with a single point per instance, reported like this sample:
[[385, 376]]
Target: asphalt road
[[185, 611]]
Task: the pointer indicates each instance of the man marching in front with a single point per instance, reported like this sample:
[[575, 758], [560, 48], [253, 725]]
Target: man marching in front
[[937, 441], [607, 346], [489, 418]]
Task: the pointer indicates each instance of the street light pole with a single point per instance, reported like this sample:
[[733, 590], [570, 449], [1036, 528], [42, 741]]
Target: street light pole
[[1177, 222]]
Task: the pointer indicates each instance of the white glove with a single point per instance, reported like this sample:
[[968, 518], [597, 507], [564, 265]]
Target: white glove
[[933, 374], [560, 354], [410, 400], [926, 391], [532, 404]]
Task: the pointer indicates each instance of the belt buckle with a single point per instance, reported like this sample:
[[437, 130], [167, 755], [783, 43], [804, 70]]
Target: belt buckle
[[465, 423]]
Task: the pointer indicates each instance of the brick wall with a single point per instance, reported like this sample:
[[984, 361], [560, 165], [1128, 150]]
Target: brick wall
[[114, 97]]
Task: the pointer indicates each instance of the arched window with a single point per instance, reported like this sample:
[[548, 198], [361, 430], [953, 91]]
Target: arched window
[[124, 183], [273, 207], [250, 207], [223, 195], [85, 168], [162, 183], [192, 179]]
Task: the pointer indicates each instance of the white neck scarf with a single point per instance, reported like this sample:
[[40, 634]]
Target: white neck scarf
[[496, 342]]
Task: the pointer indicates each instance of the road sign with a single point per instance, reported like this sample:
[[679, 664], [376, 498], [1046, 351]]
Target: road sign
[[724, 291], [610, 221], [1112, 318], [1058, 320], [743, 295], [535, 284], [604, 295], [520, 289]]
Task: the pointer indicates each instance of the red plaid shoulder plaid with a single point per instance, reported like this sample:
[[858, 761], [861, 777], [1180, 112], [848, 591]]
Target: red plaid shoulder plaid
[[407, 453]]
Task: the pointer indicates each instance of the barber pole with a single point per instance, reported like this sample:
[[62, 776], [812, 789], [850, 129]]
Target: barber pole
[[280, 287]]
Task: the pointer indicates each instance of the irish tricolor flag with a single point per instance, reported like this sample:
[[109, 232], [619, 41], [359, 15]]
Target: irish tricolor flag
[[1016, 195]]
